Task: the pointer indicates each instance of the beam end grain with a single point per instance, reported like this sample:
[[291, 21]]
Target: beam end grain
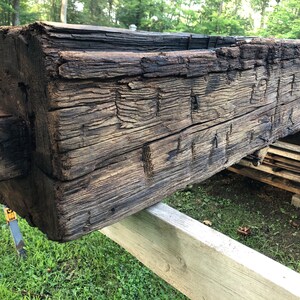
[[14, 147]]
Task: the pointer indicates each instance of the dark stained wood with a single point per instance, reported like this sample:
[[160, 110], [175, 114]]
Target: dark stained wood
[[14, 160], [117, 120]]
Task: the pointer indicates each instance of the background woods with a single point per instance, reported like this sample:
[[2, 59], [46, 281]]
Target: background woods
[[278, 18]]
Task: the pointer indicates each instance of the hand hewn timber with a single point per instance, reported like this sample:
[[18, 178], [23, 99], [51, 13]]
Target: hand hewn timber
[[13, 147], [118, 119]]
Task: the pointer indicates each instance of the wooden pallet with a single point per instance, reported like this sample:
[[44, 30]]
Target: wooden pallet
[[280, 166]]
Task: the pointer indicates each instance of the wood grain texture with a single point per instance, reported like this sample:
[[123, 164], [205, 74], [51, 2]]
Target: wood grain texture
[[199, 261], [280, 167], [13, 147], [118, 119], [273, 180]]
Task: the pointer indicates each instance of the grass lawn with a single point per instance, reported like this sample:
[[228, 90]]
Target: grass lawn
[[93, 267]]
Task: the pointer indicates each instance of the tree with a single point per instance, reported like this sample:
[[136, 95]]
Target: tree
[[16, 12], [63, 11], [222, 17], [6, 12], [284, 21], [261, 6]]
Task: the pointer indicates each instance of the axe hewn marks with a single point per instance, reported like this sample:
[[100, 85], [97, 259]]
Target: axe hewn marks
[[115, 120]]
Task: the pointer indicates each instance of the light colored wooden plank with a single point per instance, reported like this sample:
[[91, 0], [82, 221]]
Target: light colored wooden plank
[[264, 168], [286, 146], [199, 261], [280, 165], [267, 178], [284, 153], [283, 160]]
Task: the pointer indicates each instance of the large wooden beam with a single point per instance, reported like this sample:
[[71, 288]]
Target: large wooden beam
[[117, 120], [199, 261], [14, 147]]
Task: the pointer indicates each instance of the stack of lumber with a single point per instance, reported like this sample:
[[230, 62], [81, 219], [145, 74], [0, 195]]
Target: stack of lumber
[[111, 121], [280, 166]]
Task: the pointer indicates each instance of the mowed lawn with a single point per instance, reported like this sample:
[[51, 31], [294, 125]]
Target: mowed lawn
[[92, 267]]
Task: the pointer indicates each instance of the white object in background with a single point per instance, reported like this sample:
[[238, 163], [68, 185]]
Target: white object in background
[[132, 27]]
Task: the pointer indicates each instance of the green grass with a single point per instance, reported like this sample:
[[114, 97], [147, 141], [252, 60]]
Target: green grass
[[265, 210], [94, 267]]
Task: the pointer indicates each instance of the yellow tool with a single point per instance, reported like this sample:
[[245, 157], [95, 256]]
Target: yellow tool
[[10, 215], [12, 222]]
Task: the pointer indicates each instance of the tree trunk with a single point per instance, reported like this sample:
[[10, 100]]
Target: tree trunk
[[16, 13], [63, 11]]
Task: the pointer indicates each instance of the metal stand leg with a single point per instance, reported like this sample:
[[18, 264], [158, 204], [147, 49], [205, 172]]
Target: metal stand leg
[[12, 222]]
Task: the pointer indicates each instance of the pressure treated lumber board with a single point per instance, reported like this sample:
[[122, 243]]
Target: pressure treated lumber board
[[117, 120], [199, 261]]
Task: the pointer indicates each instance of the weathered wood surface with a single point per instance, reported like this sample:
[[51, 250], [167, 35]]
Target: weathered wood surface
[[119, 119], [280, 167], [199, 261], [13, 147]]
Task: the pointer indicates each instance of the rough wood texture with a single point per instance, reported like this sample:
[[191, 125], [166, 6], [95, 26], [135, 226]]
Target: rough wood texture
[[13, 147], [279, 167], [119, 119], [199, 261]]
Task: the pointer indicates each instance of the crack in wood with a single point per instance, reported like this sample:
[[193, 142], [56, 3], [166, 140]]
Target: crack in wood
[[252, 93], [291, 116], [292, 84], [178, 144], [277, 117], [147, 161], [251, 136], [278, 91], [195, 103], [193, 150], [158, 102], [216, 140]]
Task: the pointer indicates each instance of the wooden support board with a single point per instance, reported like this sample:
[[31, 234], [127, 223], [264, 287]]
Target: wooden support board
[[199, 261], [280, 166]]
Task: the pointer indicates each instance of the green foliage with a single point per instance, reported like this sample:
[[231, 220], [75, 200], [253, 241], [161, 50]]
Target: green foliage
[[95, 12], [230, 206], [284, 21], [6, 11], [29, 11], [224, 24], [218, 17], [94, 267], [207, 16], [260, 6]]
